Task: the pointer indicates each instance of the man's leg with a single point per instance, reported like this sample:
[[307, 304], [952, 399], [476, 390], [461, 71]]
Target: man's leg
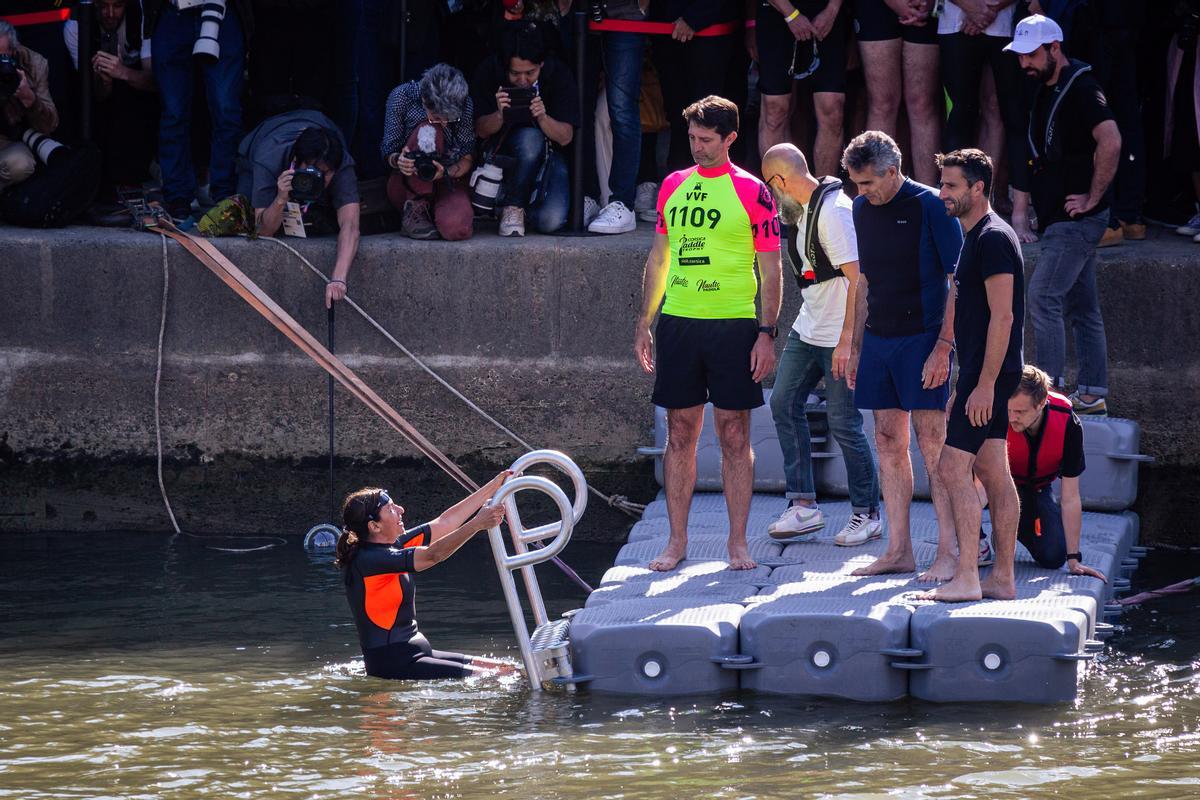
[[931, 436], [827, 149], [171, 51], [1042, 530], [954, 469], [1087, 323], [881, 62], [553, 202], [923, 101], [17, 163], [846, 426], [798, 372], [1005, 510], [1057, 269], [961, 65], [223, 86], [527, 147], [737, 476], [679, 475], [623, 69], [895, 470], [774, 115]]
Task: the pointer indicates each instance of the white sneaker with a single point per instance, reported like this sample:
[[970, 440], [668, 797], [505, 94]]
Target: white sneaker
[[1196, 238], [1191, 227], [986, 557], [591, 209], [614, 218], [645, 201], [512, 221], [859, 530], [796, 521]]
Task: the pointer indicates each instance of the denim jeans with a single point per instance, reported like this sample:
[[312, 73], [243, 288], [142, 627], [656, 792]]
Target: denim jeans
[[1064, 285], [361, 84], [171, 49], [800, 368], [621, 54], [537, 180]]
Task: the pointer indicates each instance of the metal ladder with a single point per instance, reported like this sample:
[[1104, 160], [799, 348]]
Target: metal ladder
[[545, 652]]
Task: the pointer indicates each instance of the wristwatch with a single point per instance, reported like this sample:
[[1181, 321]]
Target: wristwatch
[[769, 330], [1077, 556]]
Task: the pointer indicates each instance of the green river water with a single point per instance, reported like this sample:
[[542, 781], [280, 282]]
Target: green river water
[[139, 666]]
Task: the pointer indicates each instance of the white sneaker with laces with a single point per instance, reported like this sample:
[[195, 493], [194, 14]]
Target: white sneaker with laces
[[591, 210], [645, 201], [796, 521], [859, 530], [986, 557], [614, 218], [512, 221], [1191, 227]]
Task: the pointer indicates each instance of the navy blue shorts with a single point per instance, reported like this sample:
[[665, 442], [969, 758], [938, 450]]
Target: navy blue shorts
[[889, 374]]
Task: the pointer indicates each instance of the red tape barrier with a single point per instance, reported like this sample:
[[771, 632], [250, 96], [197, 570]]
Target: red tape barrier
[[37, 17]]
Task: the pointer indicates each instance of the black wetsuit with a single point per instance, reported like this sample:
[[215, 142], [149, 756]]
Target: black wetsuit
[[382, 599]]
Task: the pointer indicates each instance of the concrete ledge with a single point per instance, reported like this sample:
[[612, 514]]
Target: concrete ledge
[[535, 330]]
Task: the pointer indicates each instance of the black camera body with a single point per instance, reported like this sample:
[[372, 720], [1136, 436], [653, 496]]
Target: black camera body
[[519, 99], [425, 164], [307, 185], [10, 78]]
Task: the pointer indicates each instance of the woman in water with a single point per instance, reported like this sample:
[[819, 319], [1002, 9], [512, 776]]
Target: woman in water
[[376, 555]]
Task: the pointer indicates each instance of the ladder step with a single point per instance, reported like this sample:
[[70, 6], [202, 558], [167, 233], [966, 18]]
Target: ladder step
[[551, 635]]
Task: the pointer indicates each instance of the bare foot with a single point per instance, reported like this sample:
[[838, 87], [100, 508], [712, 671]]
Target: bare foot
[[739, 557], [959, 590], [889, 563], [942, 569], [999, 589], [669, 558]]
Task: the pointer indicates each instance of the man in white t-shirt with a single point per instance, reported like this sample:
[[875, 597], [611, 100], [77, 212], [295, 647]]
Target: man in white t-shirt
[[824, 256]]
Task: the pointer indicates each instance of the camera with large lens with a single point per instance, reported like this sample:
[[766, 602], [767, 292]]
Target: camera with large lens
[[10, 78], [307, 184], [425, 164]]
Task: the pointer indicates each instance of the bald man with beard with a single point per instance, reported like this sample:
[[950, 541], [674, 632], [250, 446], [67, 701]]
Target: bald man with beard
[[824, 258]]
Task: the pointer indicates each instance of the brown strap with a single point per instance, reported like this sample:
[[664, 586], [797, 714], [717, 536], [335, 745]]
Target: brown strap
[[207, 253]]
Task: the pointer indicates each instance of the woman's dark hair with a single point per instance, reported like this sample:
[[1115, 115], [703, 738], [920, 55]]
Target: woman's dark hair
[[318, 146], [358, 509], [713, 112], [526, 42]]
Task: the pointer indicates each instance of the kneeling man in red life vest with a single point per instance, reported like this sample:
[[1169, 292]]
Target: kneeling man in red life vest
[[1045, 441]]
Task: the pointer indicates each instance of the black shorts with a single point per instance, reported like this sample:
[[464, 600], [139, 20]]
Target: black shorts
[[776, 45], [960, 433], [875, 22], [700, 361]]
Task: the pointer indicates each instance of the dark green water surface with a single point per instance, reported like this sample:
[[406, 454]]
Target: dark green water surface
[[142, 666]]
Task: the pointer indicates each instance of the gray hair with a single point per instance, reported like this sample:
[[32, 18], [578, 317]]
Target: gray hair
[[443, 91], [874, 149], [7, 29]]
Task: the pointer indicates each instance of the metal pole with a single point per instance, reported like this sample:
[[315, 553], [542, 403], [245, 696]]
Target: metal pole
[[86, 20], [581, 35], [333, 509]]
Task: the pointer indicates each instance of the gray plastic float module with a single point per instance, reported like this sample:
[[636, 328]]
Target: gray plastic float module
[[700, 548], [693, 570], [834, 648], [804, 584], [1022, 651], [656, 647], [767, 504], [1110, 447], [673, 587], [768, 459]]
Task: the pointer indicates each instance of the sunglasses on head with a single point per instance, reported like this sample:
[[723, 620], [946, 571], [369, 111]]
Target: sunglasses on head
[[798, 70], [382, 502]]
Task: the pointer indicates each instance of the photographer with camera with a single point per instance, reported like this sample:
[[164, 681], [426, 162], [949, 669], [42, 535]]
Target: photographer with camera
[[429, 143], [25, 102], [528, 109], [295, 169]]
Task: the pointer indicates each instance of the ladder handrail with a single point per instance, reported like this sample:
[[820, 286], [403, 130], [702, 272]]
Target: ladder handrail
[[565, 465], [565, 526]]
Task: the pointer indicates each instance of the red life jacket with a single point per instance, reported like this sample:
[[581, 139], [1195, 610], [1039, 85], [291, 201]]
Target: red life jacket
[[1038, 468]]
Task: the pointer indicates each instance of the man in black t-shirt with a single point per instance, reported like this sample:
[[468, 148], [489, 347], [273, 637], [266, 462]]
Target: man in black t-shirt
[[526, 109], [1074, 147], [988, 320]]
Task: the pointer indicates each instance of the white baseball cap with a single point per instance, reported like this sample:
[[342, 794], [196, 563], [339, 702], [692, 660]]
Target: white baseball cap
[[1033, 32]]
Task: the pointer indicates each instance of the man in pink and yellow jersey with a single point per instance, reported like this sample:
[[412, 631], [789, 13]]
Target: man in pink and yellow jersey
[[714, 221]]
